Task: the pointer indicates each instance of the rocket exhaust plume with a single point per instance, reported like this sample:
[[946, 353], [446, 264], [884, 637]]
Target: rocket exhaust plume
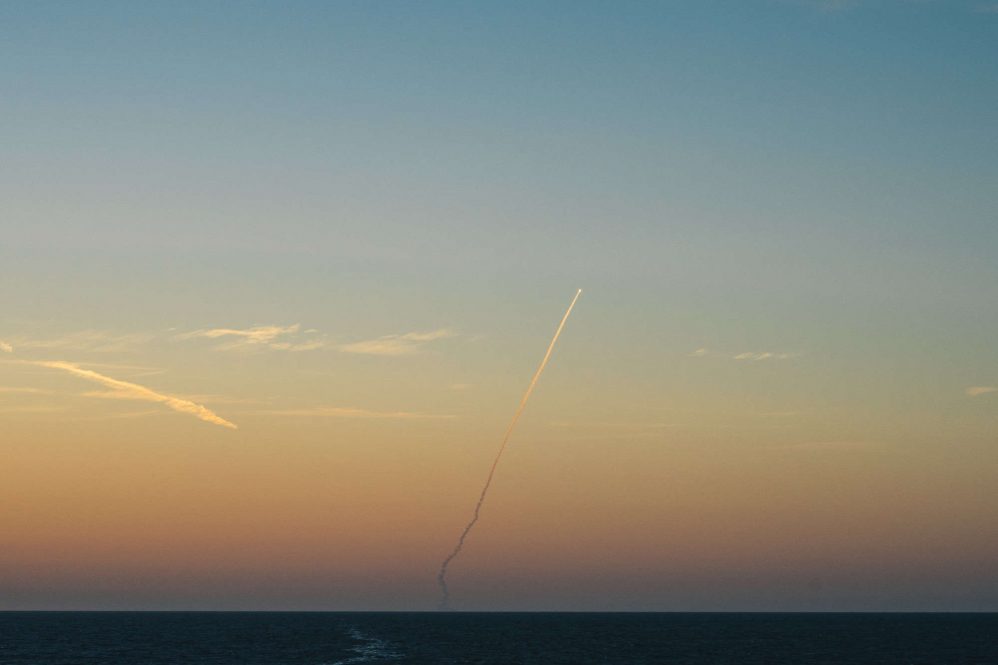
[[442, 575]]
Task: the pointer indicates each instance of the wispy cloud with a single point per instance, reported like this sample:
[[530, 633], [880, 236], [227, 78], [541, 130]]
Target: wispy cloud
[[308, 345], [352, 412], [131, 370], [24, 391], [5, 347], [291, 338], [397, 345], [764, 355], [611, 430], [257, 337], [975, 391], [217, 399], [987, 8], [130, 415], [133, 391], [703, 352], [222, 399], [635, 426]]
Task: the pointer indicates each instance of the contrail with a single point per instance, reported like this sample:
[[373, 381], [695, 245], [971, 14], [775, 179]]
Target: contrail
[[126, 390], [442, 575]]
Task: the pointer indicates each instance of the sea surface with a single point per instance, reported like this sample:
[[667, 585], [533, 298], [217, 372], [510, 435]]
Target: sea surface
[[288, 638]]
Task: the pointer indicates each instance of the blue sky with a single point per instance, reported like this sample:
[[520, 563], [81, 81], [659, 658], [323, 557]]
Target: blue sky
[[728, 154]]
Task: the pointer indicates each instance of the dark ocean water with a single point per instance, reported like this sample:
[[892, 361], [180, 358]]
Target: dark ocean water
[[222, 638]]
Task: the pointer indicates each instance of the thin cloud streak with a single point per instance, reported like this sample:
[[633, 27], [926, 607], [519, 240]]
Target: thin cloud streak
[[290, 338], [611, 425], [352, 412], [703, 352], [255, 335], [24, 391], [133, 391], [253, 338], [397, 345], [976, 391], [612, 431], [5, 347], [764, 355]]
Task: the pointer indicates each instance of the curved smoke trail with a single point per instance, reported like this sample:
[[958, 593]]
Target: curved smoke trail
[[442, 575]]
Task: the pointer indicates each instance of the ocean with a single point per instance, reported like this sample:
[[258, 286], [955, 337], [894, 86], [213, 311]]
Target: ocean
[[338, 638]]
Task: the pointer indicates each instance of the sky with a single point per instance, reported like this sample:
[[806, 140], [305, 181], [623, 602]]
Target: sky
[[274, 277]]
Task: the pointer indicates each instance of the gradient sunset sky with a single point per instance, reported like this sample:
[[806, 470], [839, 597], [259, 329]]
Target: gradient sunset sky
[[274, 276]]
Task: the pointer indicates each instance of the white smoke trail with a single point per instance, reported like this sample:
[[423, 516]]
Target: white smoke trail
[[442, 575], [126, 390]]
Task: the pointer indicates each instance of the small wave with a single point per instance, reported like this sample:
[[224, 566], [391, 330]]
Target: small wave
[[368, 650]]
